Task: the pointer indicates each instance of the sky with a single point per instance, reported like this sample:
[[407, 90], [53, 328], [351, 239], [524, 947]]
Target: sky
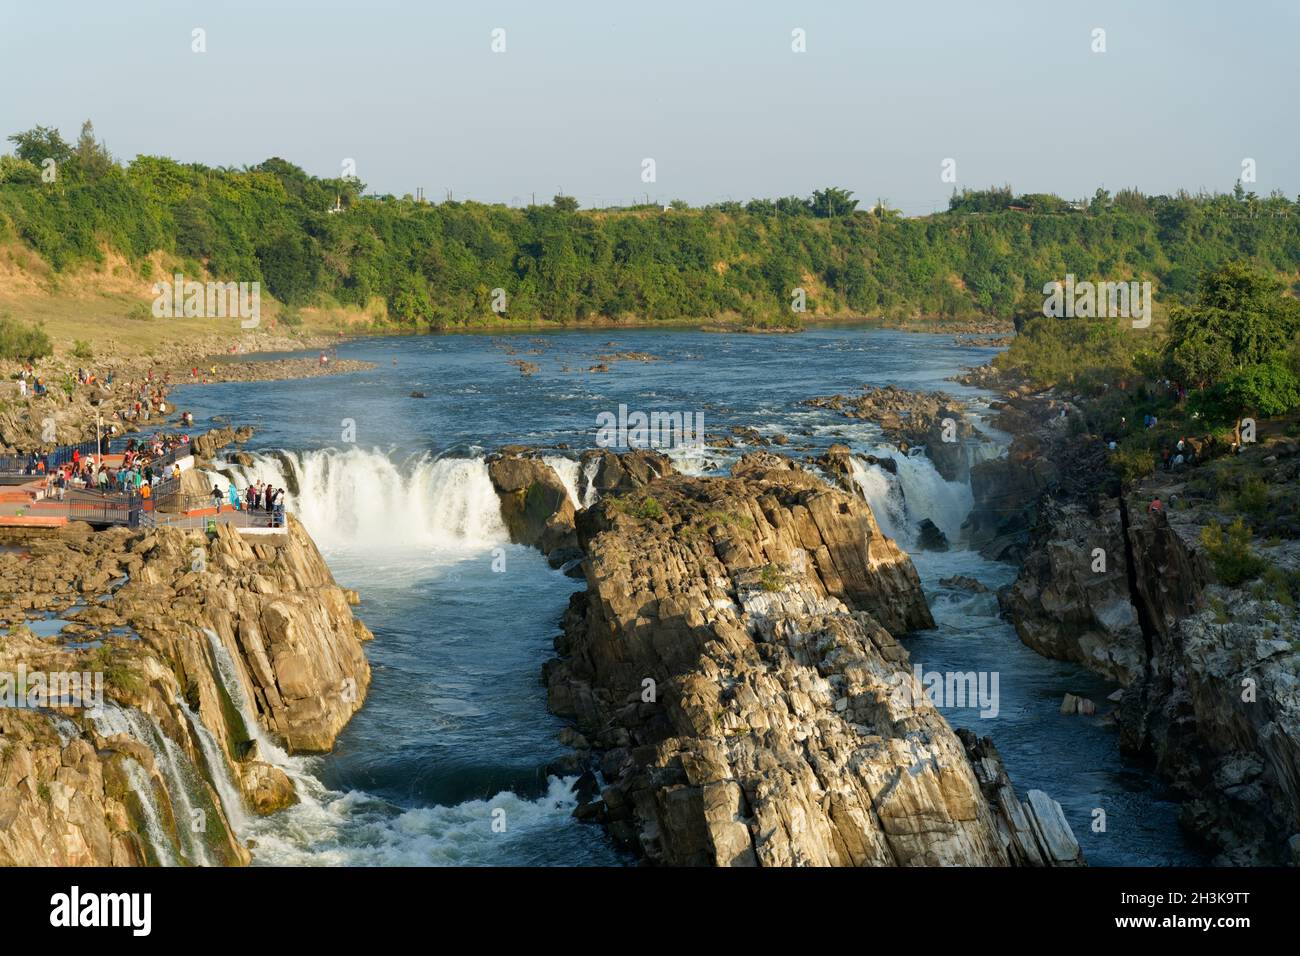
[[713, 92]]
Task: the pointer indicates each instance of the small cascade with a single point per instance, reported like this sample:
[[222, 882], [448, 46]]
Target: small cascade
[[154, 834], [268, 749], [589, 493], [218, 771], [913, 492], [183, 782], [570, 473], [885, 497]]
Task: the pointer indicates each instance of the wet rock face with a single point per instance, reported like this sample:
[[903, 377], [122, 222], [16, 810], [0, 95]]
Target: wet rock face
[[1005, 493], [534, 503], [618, 474], [211, 442], [935, 420], [182, 629], [732, 661]]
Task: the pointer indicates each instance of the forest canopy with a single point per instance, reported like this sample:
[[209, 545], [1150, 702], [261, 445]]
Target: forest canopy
[[313, 240]]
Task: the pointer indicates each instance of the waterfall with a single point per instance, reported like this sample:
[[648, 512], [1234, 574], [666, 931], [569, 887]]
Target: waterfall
[[154, 834], [916, 491], [219, 771], [227, 670], [362, 499], [184, 785], [589, 493], [569, 472], [885, 497]]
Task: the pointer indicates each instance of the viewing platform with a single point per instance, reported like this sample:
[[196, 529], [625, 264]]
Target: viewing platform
[[27, 502]]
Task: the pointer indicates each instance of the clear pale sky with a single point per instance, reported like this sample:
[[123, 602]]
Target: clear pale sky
[[710, 90]]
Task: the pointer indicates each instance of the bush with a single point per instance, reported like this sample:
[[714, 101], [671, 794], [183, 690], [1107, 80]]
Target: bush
[[21, 342], [82, 350], [771, 578], [1252, 497], [1230, 552], [1133, 462]]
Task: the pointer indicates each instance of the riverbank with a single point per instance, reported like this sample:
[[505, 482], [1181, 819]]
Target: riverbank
[[1180, 586]]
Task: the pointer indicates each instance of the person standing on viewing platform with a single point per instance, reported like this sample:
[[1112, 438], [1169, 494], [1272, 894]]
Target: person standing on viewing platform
[[216, 498]]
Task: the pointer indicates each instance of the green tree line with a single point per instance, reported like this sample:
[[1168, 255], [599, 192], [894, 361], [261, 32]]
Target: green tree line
[[322, 241]]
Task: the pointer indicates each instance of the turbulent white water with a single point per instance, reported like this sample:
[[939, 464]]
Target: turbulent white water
[[362, 500], [917, 491], [354, 828]]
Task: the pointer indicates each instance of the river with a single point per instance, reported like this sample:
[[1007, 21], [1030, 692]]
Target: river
[[445, 763]]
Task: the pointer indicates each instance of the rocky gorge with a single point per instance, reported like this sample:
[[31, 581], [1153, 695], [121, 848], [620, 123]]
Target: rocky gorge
[[1206, 664], [733, 674], [215, 652]]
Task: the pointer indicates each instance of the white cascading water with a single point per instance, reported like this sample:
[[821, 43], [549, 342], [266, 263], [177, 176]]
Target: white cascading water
[[321, 828], [228, 671], [154, 834], [180, 776], [916, 491], [569, 471], [883, 494], [363, 500], [589, 493], [219, 772]]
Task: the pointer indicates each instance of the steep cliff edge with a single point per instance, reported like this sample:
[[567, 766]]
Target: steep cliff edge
[[1208, 670], [732, 663], [209, 653]]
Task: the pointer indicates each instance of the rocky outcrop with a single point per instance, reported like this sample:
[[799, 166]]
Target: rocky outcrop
[[207, 649], [208, 444], [1220, 713], [1005, 493], [935, 420], [534, 503], [1071, 600], [732, 665], [618, 474]]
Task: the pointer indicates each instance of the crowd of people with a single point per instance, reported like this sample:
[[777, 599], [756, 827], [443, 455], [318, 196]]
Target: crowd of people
[[259, 497], [139, 473]]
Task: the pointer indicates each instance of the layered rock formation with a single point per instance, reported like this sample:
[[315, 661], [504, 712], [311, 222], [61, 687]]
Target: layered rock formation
[[1209, 672], [935, 420], [202, 647], [732, 662]]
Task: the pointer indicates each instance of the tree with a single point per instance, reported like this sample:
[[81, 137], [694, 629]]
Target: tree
[[19, 342], [1240, 318], [832, 202], [290, 266], [565, 203], [91, 156], [39, 144], [1260, 391]]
